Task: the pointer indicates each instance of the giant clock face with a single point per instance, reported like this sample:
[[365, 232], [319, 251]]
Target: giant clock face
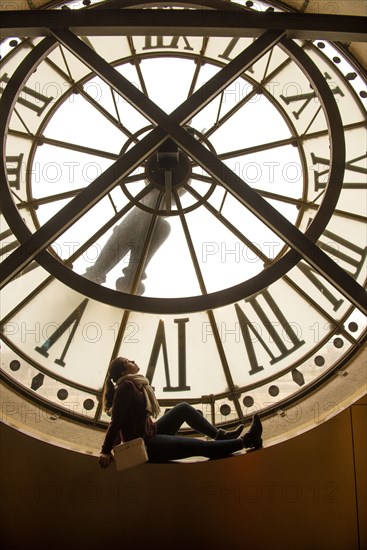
[[193, 203]]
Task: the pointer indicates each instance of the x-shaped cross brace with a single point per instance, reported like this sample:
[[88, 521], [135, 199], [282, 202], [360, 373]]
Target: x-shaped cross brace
[[171, 125]]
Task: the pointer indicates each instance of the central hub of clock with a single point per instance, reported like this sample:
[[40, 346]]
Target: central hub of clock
[[168, 159]]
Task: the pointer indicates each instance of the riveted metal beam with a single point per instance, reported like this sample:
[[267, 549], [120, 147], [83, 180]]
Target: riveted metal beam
[[201, 22]]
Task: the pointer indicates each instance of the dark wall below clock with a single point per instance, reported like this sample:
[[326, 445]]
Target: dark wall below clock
[[308, 493]]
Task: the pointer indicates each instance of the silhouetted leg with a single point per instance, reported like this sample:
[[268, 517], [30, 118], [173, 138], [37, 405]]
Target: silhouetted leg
[[171, 422]]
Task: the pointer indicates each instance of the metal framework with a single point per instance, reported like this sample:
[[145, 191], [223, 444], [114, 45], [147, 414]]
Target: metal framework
[[33, 246], [198, 22]]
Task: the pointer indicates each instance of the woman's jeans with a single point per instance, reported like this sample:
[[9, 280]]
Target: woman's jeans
[[166, 445]]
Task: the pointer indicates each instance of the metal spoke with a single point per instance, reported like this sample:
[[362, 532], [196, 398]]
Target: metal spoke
[[115, 122], [258, 148], [257, 87], [190, 245], [220, 121], [262, 192], [342, 213], [214, 328], [21, 121], [136, 62], [34, 203], [65, 145], [267, 65], [199, 64], [228, 225]]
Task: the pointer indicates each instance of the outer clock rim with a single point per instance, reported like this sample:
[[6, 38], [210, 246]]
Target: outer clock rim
[[200, 302]]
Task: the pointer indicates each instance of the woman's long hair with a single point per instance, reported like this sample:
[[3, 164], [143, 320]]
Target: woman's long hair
[[115, 370]]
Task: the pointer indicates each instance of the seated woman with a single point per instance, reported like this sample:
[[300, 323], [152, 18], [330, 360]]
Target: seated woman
[[130, 400]]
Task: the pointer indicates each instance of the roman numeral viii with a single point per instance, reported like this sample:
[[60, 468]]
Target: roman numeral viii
[[275, 336]]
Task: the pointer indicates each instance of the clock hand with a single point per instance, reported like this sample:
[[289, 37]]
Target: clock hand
[[167, 158], [168, 189], [34, 243]]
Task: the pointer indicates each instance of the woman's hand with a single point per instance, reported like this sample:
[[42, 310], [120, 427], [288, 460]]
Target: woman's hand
[[105, 460]]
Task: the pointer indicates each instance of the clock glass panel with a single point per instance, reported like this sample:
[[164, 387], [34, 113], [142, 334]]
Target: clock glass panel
[[168, 230]]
